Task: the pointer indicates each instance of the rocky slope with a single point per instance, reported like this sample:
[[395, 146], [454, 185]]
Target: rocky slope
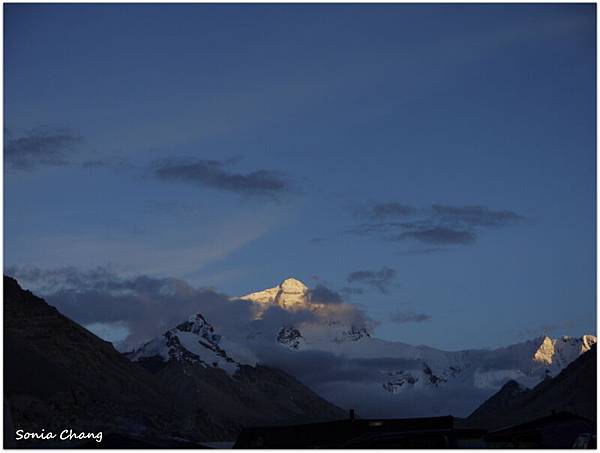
[[572, 390]]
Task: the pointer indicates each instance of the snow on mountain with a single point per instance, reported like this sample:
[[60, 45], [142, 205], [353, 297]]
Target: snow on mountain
[[195, 341], [293, 295], [386, 367], [403, 368], [290, 294]]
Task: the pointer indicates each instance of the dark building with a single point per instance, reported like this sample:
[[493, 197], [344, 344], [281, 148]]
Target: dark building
[[433, 432]]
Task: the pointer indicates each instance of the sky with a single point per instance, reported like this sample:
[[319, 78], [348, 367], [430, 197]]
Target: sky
[[434, 165]]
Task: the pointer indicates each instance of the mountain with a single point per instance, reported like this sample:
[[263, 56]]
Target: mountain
[[58, 374], [444, 381], [290, 293], [572, 390], [206, 370], [331, 348]]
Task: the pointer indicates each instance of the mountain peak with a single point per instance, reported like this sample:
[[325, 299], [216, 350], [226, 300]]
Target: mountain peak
[[563, 350], [292, 284], [290, 293]]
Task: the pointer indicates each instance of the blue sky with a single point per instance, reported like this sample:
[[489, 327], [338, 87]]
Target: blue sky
[[235, 145]]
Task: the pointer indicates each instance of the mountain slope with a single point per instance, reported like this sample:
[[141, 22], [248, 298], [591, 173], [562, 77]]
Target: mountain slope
[[573, 390], [59, 374], [206, 370], [441, 381]]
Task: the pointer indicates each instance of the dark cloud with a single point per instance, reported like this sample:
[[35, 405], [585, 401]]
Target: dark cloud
[[320, 367], [381, 279], [459, 400], [389, 210], [475, 216], [350, 290], [440, 225], [323, 295], [214, 174], [440, 236], [357, 383], [115, 163], [149, 306], [406, 317], [40, 147]]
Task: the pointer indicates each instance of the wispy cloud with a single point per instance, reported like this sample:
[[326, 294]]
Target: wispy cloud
[[351, 291], [215, 175], [321, 294], [380, 280], [438, 225], [401, 317], [440, 235], [186, 253], [389, 210], [41, 147], [475, 216]]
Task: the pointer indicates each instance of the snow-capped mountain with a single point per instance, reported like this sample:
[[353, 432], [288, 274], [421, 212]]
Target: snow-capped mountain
[[572, 390], [401, 369], [195, 341], [369, 368], [221, 380], [527, 362], [290, 294]]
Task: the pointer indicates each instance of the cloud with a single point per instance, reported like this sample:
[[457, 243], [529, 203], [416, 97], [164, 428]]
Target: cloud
[[440, 225], [323, 295], [40, 147], [134, 309], [116, 163], [146, 306], [357, 383], [381, 280], [141, 307], [350, 291], [176, 255], [440, 236], [475, 216], [214, 174], [389, 210], [406, 317]]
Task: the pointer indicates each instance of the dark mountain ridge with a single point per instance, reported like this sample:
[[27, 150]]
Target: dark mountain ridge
[[572, 390]]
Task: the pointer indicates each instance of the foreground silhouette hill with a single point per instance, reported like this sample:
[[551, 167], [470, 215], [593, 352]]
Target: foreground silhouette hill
[[572, 390], [58, 375]]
